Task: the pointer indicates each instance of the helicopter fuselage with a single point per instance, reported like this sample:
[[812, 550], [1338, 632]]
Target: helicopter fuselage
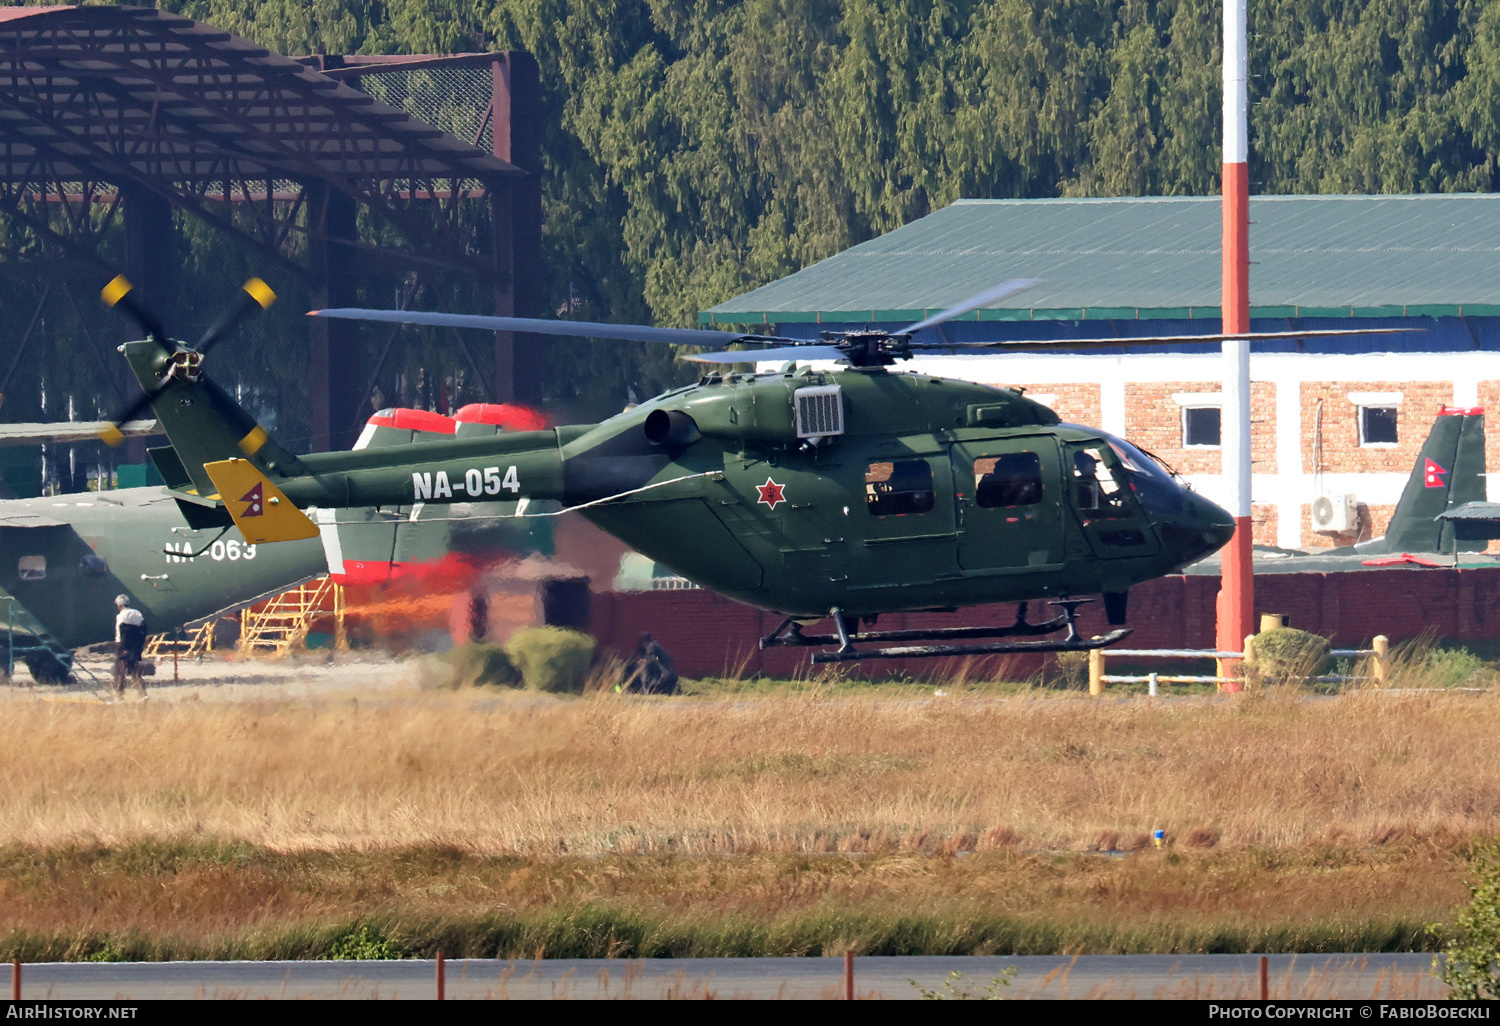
[[861, 489]]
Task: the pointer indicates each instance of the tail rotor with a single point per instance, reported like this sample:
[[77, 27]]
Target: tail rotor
[[184, 363]]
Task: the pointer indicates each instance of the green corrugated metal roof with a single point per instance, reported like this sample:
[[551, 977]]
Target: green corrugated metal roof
[[1312, 256]]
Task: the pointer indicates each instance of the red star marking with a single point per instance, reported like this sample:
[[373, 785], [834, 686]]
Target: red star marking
[[256, 505], [1434, 475], [770, 493]]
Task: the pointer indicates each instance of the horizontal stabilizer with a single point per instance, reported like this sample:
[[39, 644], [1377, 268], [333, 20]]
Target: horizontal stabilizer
[[203, 518], [259, 509]]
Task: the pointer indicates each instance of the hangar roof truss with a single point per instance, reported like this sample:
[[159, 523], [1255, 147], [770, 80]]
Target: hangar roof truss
[[96, 100]]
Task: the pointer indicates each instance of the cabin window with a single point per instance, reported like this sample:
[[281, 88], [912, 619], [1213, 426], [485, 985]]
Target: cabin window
[[1095, 490], [1200, 426], [32, 568], [898, 487], [1377, 425], [1014, 479]]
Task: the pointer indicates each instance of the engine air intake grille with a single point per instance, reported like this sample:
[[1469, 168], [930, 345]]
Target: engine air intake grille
[[820, 411]]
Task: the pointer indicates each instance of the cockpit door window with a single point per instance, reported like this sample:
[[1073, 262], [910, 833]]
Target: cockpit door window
[[32, 568], [1103, 495]]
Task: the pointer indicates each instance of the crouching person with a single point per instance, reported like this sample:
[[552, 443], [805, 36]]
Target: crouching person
[[649, 671]]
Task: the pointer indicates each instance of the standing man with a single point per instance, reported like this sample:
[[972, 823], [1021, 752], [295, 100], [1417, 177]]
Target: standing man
[[130, 642]]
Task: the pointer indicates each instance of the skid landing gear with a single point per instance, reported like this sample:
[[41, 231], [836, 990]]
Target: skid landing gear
[[789, 634]]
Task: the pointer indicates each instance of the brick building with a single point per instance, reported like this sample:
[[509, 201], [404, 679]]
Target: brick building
[[1342, 416]]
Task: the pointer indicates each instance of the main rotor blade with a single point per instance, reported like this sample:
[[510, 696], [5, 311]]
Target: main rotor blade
[[1151, 340], [116, 296], [807, 352], [255, 297], [111, 433], [994, 295], [64, 432], [537, 326]]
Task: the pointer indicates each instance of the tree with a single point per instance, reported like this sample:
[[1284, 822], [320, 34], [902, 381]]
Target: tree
[[695, 149]]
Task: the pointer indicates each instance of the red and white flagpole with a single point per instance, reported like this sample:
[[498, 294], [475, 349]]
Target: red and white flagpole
[[1237, 586]]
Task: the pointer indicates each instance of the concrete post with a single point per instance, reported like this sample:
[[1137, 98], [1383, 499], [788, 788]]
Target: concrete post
[[1096, 672], [1236, 601], [1226, 668], [1271, 621]]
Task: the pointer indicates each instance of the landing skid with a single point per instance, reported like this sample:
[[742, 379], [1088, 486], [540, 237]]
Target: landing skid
[[789, 634]]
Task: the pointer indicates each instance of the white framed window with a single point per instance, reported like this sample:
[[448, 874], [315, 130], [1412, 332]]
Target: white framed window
[[1201, 427], [1201, 418], [1375, 412], [1377, 426]]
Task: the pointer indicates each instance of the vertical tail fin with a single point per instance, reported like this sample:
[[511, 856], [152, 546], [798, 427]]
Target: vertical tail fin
[[1449, 472], [203, 422], [258, 507]]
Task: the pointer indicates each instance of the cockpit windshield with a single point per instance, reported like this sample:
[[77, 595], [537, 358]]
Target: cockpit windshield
[[1150, 479]]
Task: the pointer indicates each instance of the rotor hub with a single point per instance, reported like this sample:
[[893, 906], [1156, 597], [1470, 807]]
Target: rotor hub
[[870, 348], [186, 365]]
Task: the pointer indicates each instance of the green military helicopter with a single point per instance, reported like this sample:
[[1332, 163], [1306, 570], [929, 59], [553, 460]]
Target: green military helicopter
[[64, 558], [844, 493]]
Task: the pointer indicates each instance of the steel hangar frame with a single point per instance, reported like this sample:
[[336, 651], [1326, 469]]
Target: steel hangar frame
[[110, 117]]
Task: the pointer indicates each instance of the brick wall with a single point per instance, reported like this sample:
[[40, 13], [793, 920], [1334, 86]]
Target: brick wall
[[1341, 451], [1075, 404], [1372, 524], [1489, 398], [1263, 525], [1154, 420], [709, 635]]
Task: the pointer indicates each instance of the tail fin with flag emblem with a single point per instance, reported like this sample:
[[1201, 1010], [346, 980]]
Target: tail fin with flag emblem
[[1449, 471], [258, 507]]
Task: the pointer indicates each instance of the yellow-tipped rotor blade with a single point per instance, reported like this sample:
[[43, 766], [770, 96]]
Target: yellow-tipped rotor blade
[[115, 290], [260, 292]]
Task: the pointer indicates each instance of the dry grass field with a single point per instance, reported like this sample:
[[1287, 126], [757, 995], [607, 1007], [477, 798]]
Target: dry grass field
[[517, 773], [894, 822]]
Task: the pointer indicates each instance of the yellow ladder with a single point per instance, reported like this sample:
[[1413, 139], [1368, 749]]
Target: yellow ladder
[[284, 621], [192, 643]]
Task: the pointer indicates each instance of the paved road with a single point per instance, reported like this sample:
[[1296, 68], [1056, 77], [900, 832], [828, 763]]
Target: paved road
[[1121, 976]]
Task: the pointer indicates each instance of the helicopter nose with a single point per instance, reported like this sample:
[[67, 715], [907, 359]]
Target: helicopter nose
[[1201, 529], [1214, 522]]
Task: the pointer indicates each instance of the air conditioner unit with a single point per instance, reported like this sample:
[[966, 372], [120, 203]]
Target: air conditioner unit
[[1335, 514]]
